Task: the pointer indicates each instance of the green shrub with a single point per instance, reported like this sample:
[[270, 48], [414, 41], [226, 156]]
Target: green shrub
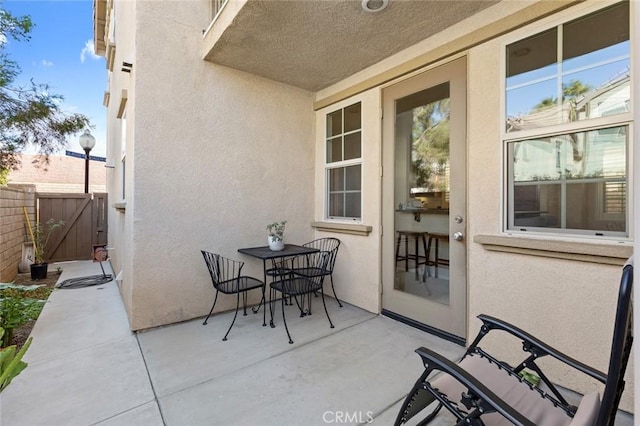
[[11, 363], [19, 304]]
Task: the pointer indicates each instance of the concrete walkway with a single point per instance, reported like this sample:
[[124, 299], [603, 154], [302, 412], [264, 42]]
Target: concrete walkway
[[87, 368]]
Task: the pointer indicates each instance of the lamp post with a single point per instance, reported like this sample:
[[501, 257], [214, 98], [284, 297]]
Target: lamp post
[[87, 142]]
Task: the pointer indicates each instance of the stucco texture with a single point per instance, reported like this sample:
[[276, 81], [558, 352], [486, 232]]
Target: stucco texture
[[219, 153], [121, 222], [568, 304], [215, 154], [357, 273]]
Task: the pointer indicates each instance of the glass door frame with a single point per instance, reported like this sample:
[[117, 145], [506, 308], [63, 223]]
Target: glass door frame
[[448, 321]]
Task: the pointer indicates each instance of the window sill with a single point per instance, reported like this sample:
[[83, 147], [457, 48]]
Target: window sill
[[614, 253], [121, 207], [343, 228]]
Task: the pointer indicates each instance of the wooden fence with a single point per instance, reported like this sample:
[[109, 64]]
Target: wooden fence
[[85, 217]]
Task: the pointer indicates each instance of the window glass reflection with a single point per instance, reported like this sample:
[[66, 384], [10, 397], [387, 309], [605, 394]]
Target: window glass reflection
[[588, 78], [336, 179], [571, 181], [352, 146], [334, 123]]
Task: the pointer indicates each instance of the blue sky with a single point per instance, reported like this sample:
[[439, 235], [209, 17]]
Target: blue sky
[[60, 54]]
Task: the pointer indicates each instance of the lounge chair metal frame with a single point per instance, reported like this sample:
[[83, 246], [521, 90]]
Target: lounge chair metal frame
[[480, 400]]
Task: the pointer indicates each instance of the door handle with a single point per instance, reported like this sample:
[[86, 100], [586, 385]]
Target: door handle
[[458, 236]]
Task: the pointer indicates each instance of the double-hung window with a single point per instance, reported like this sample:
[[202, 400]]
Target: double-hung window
[[568, 125], [343, 165], [123, 150]]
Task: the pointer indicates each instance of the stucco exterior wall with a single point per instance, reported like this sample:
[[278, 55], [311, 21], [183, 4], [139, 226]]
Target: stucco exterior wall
[[218, 154], [570, 305], [567, 303], [123, 35], [215, 154], [357, 273]]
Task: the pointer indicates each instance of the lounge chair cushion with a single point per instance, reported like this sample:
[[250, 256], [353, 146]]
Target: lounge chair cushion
[[588, 409], [519, 395]]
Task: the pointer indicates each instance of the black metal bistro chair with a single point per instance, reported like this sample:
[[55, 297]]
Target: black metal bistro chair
[[226, 277], [299, 279], [481, 390], [329, 246]]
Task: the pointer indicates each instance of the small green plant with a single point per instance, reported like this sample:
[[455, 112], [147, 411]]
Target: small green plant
[[276, 230], [19, 304], [11, 363], [58, 270], [42, 235]]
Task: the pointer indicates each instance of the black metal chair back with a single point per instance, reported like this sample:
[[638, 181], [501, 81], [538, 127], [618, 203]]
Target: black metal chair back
[[299, 278], [226, 278], [329, 246]]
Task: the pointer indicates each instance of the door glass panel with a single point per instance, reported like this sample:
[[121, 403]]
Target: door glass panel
[[422, 183]]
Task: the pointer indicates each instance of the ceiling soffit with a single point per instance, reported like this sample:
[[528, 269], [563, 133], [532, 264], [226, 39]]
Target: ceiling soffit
[[313, 44]]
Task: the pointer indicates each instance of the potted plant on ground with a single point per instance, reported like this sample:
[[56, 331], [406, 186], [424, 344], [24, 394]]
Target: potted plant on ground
[[41, 236], [276, 235]]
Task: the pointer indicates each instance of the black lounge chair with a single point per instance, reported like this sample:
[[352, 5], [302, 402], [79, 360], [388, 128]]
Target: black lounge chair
[[480, 390]]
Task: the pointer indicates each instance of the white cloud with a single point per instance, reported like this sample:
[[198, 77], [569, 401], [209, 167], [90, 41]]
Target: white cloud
[[46, 63], [89, 49]]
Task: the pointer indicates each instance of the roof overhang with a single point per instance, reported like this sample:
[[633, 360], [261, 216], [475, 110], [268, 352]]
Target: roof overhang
[[313, 44], [99, 26]]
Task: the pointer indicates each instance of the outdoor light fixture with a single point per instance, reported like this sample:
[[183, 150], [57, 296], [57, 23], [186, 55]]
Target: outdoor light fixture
[[87, 142], [126, 66], [374, 5]]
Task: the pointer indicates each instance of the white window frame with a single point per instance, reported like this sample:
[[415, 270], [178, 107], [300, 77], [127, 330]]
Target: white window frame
[[623, 119], [123, 152], [344, 163]]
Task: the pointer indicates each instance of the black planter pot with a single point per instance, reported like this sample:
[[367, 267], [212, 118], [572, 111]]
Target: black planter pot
[[39, 271]]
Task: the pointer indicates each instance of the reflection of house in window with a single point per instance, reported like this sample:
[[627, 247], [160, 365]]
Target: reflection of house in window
[[614, 198], [552, 188], [569, 73], [567, 171]]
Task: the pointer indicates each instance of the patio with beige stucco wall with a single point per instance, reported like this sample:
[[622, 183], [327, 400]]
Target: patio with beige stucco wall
[[87, 367]]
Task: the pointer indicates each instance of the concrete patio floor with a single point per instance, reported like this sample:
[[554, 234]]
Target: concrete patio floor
[[87, 368]]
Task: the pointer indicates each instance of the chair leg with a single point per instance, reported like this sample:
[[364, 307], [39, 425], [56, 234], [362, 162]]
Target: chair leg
[[284, 319], [214, 305], [397, 250], [244, 303], [272, 297], [325, 310], [334, 290], [406, 253], [224, 339]]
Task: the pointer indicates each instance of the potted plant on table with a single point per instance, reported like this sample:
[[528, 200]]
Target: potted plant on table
[[276, 235], [41, 236]]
